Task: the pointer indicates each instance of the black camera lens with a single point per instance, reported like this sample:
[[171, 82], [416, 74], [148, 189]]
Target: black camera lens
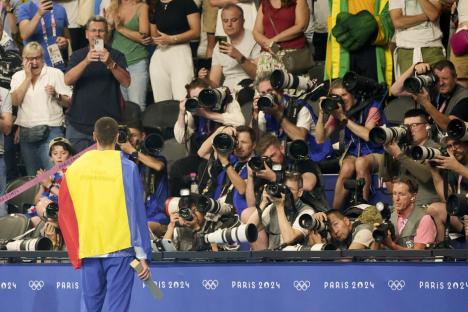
[[51, 211], [208, 97], [186, 214], [256, 163], [124, 134], [224, 143], [203, 204], [330, 103], [380, 233], [153, 143], [191, 104], [298, 150], [308, 222], [415, 84], [276, 190], [458, 130], [266, 101]]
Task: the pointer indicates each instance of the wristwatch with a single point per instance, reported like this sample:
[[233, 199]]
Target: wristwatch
[[242, 60], [134, 156], [226, 166], [10, 10], [112, 65], [344, 121]]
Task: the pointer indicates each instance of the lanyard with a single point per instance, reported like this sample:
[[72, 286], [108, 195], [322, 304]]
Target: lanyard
[[53, 23], [460, 178]]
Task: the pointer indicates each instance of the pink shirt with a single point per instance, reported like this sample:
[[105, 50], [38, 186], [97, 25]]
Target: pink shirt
[[426, 232]]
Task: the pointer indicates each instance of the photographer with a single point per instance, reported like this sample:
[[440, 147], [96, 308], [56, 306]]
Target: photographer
[[272, 152], [344, 233], [455, 164], [416, 122], [414, 229], [229, 184], [277, 218], [192, 128], [276, 120], [444, 101], [153, 173], [360, 155]]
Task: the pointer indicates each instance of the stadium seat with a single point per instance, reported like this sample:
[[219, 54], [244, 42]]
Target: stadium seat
[[396, 108], [161, 114], [21, 202], [13, 225]]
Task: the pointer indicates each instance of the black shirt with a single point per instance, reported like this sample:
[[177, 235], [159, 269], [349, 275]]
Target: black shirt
[[461, 109], [171, 17], [96, 93]]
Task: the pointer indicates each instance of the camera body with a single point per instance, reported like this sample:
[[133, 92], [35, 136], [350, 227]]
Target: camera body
[[381, 231], [257, 163], [362, 86], [124, 134], [266, 101], [181, 205], [330, 103], [415, 84], [51, 211], [214, 100], [152, 144]]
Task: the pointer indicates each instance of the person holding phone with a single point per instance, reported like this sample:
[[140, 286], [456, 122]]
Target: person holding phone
[[129, 19], [234, 56], [96, 73], [46, 22], [173, 24]]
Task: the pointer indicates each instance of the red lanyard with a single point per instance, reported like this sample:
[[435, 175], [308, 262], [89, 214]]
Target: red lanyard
[[53, 23]]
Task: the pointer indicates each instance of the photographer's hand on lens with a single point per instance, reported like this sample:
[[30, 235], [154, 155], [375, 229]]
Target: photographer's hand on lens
[[422, 68], [267, 173], [203, 73], [422, 97], [338, 113], [314, 238], [127, 148], [278, 201], [223, 158], [448, 162], [50, 231], [277, 111], [320, 216]]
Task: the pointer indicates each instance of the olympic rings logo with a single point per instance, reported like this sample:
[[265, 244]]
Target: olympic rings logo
[[396, 284], [210, 284], [36, 285], [301, 285]]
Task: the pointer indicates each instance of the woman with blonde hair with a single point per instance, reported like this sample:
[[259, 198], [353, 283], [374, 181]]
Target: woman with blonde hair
[[129, 21]]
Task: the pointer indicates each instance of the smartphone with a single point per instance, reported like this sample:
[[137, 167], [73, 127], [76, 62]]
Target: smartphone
[[98, 44], [275, 48], [220, 39], [48, 3]]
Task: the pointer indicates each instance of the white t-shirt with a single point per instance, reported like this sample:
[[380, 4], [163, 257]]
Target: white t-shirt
[[425, 34], [5, 107], [39, 108], [71, 7], [232, 71]]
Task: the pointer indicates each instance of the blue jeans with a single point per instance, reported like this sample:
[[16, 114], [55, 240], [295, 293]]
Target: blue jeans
[[36, 155], [78, 140], [3, 207], [136, 92]]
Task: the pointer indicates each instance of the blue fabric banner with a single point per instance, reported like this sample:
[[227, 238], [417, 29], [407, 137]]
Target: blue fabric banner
[[258, 287]]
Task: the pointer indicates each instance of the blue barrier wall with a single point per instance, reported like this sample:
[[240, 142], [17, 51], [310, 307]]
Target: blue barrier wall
[[255, 287]]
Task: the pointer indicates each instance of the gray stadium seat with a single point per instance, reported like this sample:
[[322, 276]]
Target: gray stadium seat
[[26, 198], [13, 225], [161, 114], [395, 110]]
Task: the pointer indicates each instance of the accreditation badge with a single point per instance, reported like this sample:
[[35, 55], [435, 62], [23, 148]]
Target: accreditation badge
[[54, 54]]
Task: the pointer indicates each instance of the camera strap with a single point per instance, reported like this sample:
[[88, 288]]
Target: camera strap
[[24, 234]]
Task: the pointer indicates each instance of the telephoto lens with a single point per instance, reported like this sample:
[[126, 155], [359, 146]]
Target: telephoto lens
[[281, 79], [33, 244], [185, 204], [206, 204], [298, 150], [458, 130], [124, 134], [308, 222], [384, 135], [330, 103], [415, 84], [424, 153], [266, 101], [244, 233], [224, 143], [213, 98], [153, 143], [191, 104], [380, 233]]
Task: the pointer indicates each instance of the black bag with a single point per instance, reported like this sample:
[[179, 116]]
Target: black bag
[[34, 134]]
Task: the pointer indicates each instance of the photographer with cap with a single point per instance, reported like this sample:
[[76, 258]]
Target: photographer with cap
[[455, 164], [443, 99], [277, 216], [414, 228], [192, 128], [228, 174], [153, 170], [398, 161], [360, 156], [271, 151]]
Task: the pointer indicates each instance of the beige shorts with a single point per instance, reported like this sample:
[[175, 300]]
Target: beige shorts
[[209, 15]]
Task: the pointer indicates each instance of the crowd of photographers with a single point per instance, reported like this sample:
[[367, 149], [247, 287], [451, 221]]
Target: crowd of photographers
[[254, 181]]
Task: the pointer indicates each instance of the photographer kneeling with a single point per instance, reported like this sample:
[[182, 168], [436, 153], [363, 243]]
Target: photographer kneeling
[[277, 218], [144, 150]]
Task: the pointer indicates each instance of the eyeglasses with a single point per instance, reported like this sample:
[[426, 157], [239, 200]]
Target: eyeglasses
[[414, 125], [101, 31], [33, 58]]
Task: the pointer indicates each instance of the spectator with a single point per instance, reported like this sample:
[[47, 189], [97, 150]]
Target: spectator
[[228, 185], [233, 60], [173, 24], [131, 33], [460, 61], [417, 33], [6, 121], [449, 98], [96, 77], [414, 229], [249, 12], [59, 151], [45, 22], [40, 94], [279, 220], [456, 163], [360, 156], [8, 22], [282, 23], [77, 33]]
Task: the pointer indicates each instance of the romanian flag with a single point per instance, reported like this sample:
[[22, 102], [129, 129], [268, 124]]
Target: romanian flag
[[101, 208]]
